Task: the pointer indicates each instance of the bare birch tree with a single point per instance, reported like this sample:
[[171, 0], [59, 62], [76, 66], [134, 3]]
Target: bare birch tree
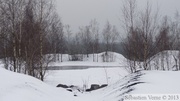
[[94, 29], [129, 14]]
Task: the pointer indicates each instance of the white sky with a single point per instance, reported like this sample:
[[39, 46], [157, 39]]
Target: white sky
[[79, 12]]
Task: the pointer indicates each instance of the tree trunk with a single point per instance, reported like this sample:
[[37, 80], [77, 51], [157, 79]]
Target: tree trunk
[[15, 56]]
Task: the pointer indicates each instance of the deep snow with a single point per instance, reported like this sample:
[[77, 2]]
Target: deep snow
[[20, 87], [85, 76]]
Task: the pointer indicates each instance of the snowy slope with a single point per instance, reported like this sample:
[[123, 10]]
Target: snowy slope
[[143, 82], [166, 59], [159, 82], [19, 87]]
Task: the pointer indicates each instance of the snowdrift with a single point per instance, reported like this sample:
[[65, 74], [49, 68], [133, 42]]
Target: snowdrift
[[143, 82], [19, 87]]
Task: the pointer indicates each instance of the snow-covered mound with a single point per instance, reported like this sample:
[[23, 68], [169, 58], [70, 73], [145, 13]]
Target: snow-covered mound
[[19, 87], [158, 82], [100, 59], [166, 60], [124, 86], [143, 82]]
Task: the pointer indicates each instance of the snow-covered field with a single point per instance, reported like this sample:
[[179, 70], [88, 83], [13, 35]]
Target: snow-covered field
[[20, 87], [85, 76]]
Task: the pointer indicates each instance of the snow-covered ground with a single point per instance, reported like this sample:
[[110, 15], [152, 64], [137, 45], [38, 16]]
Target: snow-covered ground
[[159, 82], [85, 76], [20, 87], [144, 82]]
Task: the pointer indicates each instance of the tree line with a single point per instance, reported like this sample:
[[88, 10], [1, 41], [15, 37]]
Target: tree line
[[148, 33]]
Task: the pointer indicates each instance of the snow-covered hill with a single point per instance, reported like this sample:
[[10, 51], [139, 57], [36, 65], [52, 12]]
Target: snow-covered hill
[[20, 87], [143, 82], [166, 60]]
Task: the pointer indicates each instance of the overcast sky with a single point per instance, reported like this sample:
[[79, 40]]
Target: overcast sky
[[79, 12]]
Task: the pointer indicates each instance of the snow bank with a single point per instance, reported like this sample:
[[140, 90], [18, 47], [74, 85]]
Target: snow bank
[[159, 82], [143, 82], [19, 87]]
